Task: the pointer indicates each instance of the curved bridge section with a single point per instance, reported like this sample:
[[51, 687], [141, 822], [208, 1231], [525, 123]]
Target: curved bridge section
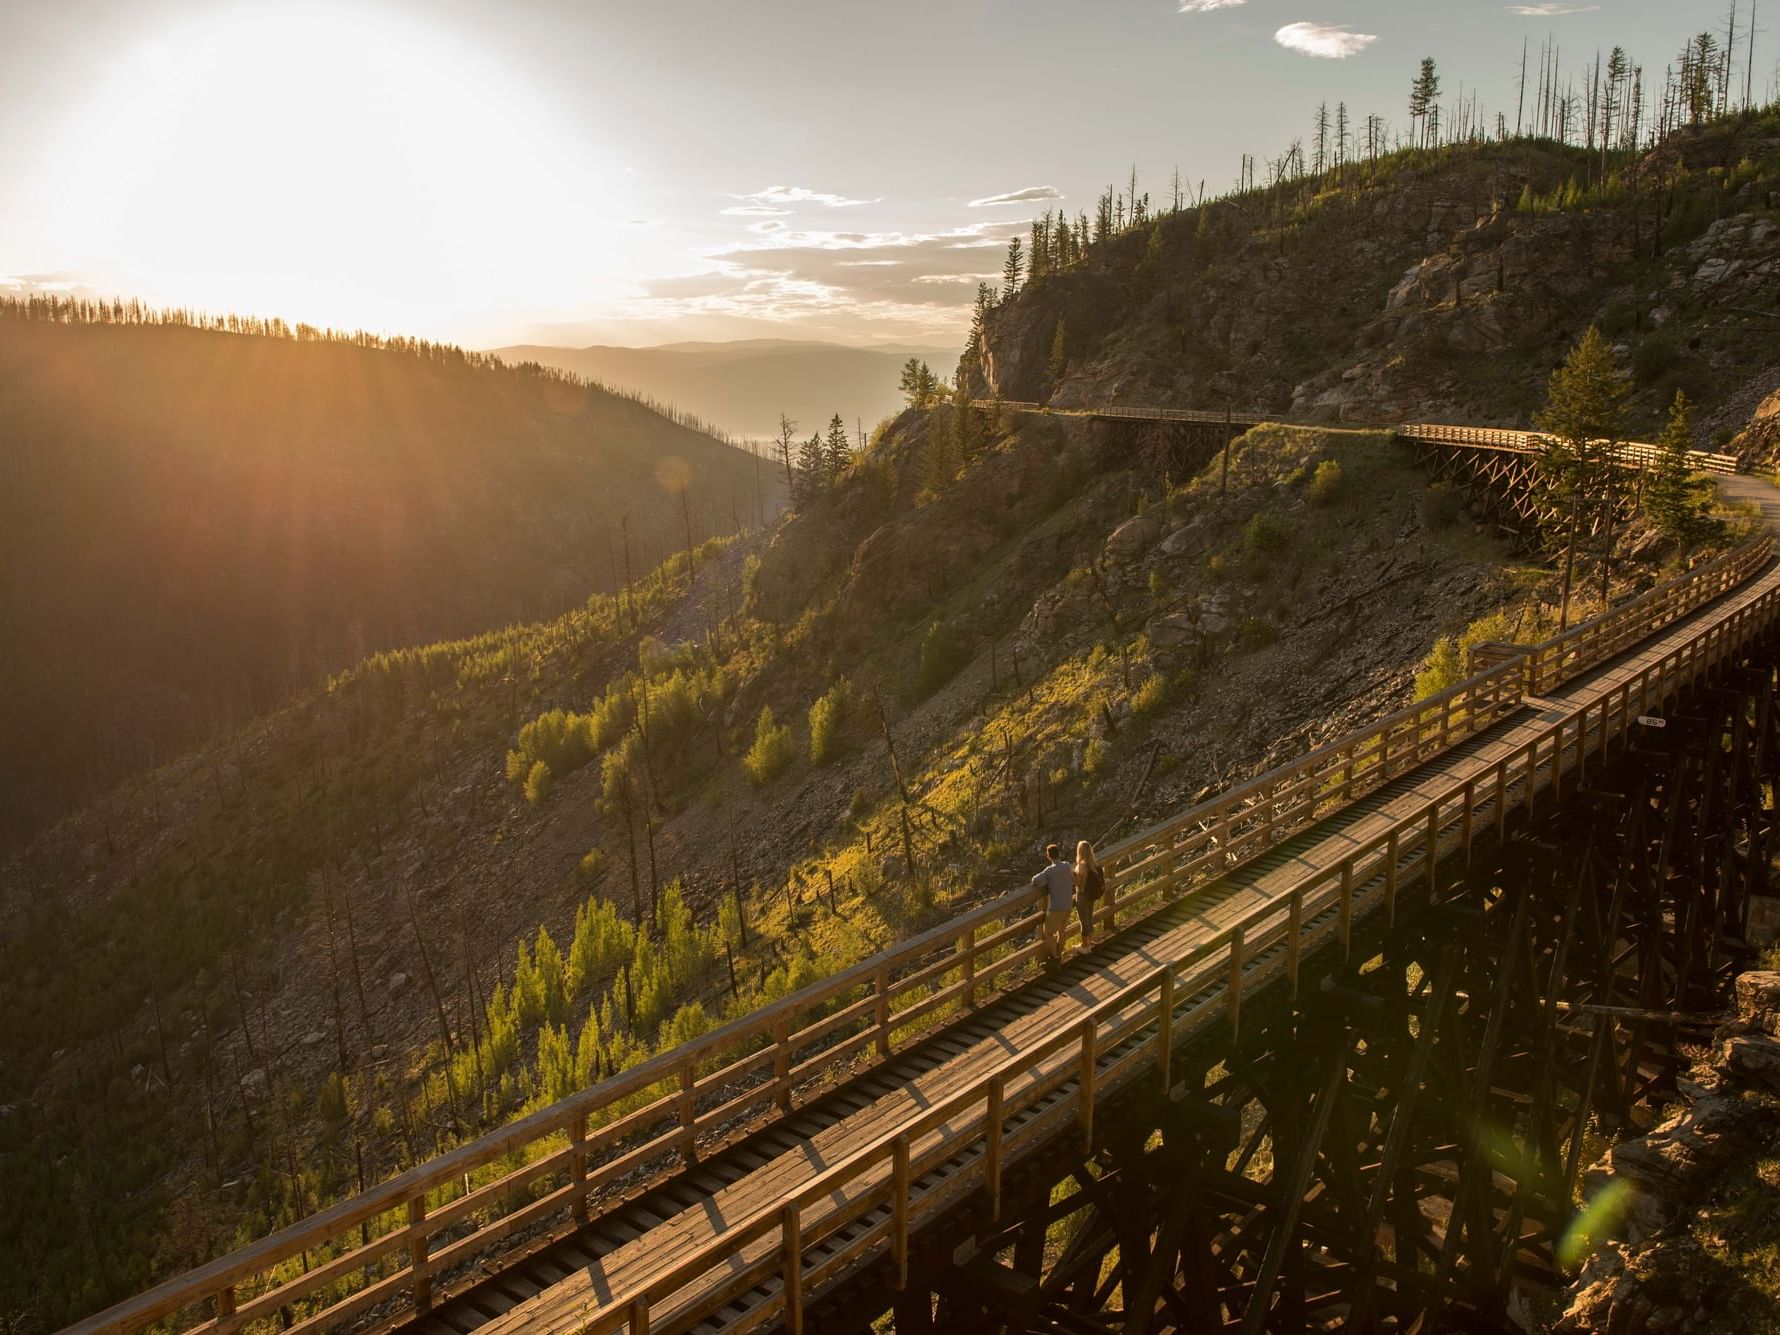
[[816, 1146]]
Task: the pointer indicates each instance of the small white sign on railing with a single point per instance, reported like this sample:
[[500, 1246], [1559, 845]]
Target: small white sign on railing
[[1649, 721]]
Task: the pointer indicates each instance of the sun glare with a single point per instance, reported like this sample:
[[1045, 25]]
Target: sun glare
[[336, 165]]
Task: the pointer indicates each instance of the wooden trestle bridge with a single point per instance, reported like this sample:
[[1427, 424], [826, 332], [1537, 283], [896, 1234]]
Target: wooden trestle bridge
[[1332, 1067]]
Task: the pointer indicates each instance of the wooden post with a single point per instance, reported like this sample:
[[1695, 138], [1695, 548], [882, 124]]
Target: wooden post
[[899, 1212], [1089, 1034], [1233, 986], [578, 1165], [1165, 1031], [422, 1287], [1470, 800], [881, 982], [1433, 850], [970, 967], [1347, 909], [992, 1147], [638, 1316], [791, 1254], [1501, 797], [1532, 772], [782, 1063], [225, 1301], [688, 1110], [1294, 943], [1390, 868]]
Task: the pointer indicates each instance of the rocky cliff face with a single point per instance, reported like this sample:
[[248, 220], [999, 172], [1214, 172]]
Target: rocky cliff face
[[1436, 288], [1694, 1205]]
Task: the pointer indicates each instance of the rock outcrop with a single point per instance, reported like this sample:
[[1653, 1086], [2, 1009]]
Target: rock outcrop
[[1659, 1271]]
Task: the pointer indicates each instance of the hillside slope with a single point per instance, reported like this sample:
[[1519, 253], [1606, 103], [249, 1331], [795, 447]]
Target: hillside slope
[[744, 386], [1426, 285], [195, 523], [272, 951]]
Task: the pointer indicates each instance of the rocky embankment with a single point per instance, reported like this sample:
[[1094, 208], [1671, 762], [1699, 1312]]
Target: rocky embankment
[[1696, 1235]]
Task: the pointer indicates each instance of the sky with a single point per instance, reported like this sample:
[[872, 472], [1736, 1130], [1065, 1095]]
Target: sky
[[640, 171]]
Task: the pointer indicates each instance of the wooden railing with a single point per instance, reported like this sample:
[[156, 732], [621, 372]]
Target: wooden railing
[[386, 1247], [1630, 453], [1133, 1034]]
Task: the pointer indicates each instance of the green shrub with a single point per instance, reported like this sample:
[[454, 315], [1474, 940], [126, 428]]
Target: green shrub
[[860, 807], [1150, 696], [331, 1102], [1096, 756], [1325, 486], [1444, 667], [829, 717], [1263, 537], [1255, 632], [1440, 505], [593, 862], [538, 783], [942, 655], [772, 751], [1654, 358]]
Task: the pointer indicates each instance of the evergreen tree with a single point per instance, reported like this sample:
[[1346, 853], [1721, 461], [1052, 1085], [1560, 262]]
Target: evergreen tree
[[1059, 353], [1010, 271], [1584, 415], [940, 458], [1422, 95], [1678, 500], [812, 472], [914, 387], [837, 450]]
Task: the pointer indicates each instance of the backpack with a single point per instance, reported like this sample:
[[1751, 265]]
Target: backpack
[[1095, 885]]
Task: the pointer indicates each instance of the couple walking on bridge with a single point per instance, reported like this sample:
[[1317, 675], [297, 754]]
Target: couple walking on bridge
[[1081, 883]]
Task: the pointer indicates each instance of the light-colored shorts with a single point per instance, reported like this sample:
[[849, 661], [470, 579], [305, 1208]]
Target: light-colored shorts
[[1056, 921]]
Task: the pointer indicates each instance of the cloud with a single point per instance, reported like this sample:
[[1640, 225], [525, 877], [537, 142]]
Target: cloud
[[754, 211], [1030, 193], [1206, 6], [779, 196], [1548, 11], [1330, 41]]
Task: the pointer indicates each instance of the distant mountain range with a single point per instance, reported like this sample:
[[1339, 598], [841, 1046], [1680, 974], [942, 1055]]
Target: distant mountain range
[[743, 386]]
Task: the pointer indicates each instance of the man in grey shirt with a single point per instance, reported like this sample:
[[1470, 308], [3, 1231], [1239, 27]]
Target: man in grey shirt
[[1058, 880]]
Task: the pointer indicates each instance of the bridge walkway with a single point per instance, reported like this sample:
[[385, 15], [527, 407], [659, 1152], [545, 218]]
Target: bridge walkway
[[652, 1242]]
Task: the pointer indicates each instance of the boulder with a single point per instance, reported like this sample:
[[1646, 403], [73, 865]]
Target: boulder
[[1758, 1001], [397, 983], [1133, 537], [1172, 631], [1753, 1057]]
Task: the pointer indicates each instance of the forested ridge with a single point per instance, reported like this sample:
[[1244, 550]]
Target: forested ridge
[[203, 514]]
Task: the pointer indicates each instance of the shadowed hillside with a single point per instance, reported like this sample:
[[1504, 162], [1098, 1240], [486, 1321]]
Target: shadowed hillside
[[195, 522]]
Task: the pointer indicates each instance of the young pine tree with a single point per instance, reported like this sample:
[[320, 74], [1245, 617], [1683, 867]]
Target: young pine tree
[[837, 450], [812, 472], [1011, 270], [1676, 499], [1584, 415]]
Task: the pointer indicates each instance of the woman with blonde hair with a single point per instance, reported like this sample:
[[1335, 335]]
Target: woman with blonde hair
[[1090, 884]]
